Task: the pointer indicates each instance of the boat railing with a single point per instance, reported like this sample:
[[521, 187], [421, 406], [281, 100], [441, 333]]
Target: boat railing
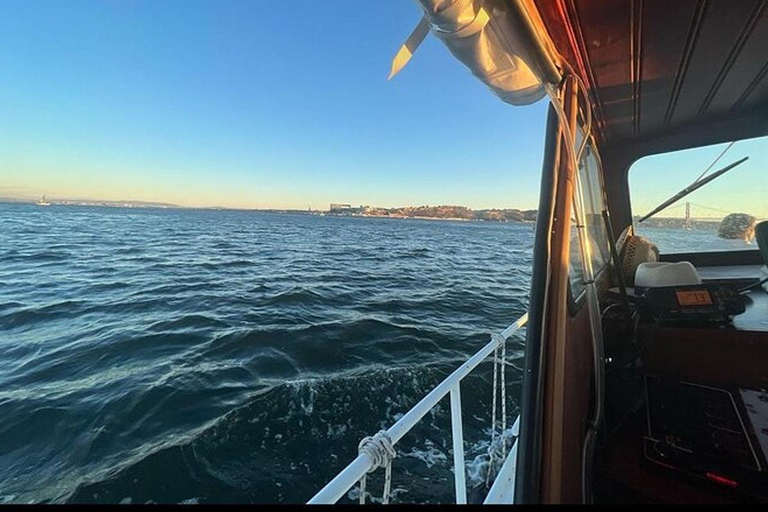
[[370, 459]]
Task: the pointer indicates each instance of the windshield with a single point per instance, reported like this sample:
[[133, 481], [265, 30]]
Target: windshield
[[719, 216]]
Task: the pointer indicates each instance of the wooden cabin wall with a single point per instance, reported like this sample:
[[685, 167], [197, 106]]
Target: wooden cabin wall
[[568, 360], [576, 401]]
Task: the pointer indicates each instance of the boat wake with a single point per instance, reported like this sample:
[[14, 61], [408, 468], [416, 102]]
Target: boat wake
[[291, 438]]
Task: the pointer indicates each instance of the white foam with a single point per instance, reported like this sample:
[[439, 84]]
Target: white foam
[[354, 495], [430, 455]]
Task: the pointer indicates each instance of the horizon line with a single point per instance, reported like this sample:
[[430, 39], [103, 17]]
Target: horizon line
[[86, 201]]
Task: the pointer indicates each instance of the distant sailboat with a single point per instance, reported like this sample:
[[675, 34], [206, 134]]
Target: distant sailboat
[[43, 202]]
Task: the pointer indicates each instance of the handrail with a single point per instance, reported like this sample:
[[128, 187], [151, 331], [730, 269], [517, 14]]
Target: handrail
[[350, 475]]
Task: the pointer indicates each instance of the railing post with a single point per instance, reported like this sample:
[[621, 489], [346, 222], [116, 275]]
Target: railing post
[[460, 477]]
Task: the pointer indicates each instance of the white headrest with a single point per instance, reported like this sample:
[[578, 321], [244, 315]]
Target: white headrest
[[658, 273]]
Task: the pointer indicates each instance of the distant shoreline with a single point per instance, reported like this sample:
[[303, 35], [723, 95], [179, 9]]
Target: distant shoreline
[[386, 213], [167, 206], [81, 202], [657, 222], [439, 212], [407, 217]]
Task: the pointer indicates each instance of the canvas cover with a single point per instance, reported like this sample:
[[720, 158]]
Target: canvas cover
[[485, 37]]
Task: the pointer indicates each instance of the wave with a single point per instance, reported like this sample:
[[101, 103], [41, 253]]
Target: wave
[[295, 295], [37, 315], [186, 322], [313, 423], [36, 257], [114, 285]]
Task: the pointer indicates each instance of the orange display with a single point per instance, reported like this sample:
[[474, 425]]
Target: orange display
[[694, 298]]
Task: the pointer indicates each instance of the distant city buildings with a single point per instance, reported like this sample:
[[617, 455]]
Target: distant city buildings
[[347, 209]]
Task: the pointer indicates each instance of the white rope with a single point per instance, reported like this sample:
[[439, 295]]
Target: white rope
[[387, 482], [362, 489], [379, 448], [503, 371], [381, 452], [491, 448]]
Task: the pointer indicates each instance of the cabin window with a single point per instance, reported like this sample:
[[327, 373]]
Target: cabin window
[[591, 185], [716, 217]]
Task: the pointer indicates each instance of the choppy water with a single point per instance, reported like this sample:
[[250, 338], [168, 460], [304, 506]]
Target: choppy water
[[220, 356], [702, 238]]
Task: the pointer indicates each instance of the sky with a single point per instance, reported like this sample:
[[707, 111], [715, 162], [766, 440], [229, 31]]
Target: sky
[[251, 104], [257, 104]]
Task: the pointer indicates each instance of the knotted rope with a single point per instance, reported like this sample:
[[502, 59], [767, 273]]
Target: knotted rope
[[379, 448]]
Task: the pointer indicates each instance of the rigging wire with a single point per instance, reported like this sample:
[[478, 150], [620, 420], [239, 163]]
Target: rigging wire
[[715, 162]]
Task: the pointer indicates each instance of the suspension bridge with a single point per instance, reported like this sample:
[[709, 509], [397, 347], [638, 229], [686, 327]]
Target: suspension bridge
[[688, 214]]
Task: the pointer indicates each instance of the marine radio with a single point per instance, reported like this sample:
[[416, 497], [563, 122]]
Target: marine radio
[[691, 304]]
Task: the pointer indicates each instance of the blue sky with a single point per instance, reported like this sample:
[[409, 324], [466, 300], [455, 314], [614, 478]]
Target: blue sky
[[251, 104], [259, 104]]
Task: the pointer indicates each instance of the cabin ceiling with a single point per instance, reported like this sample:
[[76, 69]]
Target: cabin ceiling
[[692, 72]]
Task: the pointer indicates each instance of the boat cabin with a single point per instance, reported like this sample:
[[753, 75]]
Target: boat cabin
[[682, 379], [656, 393], [646, 371]]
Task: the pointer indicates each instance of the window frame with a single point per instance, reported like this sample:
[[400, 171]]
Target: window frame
[[706, 256]]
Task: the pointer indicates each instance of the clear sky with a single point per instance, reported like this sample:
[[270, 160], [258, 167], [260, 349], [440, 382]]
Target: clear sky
[[259, 104], [251, 104]]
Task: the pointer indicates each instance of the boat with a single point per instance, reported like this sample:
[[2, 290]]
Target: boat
[[640, 386], [43, 202]]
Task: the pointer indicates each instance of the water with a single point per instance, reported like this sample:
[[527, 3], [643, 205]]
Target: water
[[703, 238], [220, 356]]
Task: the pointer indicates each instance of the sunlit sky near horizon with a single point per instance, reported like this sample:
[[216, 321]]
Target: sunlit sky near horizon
[[252, 104]]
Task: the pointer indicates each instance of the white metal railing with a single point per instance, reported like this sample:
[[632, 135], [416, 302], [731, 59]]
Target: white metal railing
[[359, 467]]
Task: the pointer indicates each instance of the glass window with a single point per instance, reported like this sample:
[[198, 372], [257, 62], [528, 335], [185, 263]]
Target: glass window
[[720, 215], [591, 185]]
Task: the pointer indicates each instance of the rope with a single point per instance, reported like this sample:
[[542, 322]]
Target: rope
[[381, 452], [387, 482], [716, 160], [499, 393], [362, 489], [491, 457], [503, 371]]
